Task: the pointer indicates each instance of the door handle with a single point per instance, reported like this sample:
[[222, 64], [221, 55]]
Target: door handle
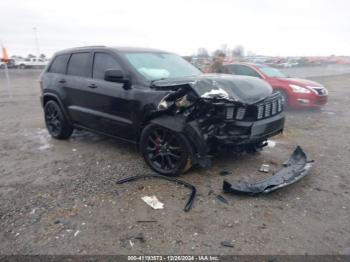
[[92, 86], [62, 81]]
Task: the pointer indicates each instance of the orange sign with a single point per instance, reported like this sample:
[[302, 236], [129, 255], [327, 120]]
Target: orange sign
[[5, 57]]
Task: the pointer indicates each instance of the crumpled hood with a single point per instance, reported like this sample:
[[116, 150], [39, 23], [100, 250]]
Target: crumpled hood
[[244, 89], [300, 82]]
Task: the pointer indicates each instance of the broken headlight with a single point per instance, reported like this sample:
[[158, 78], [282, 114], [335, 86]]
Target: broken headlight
[[183, 102], [164, 104]]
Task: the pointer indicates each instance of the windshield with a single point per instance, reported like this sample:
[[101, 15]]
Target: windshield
[[156, 66], [272, 72]]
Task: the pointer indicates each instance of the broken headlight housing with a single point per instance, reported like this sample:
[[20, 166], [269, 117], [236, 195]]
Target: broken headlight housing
[[164, 104], [181, 102]]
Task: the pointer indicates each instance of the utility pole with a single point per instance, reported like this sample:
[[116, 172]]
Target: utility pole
[[36, 42]]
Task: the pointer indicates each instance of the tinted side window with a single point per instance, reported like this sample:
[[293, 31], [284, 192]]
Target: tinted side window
[[230, 68], [102, 62], [78, 64], [244, 70], [59, 64]]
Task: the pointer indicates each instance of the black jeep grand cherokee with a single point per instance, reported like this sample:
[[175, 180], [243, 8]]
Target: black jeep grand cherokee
[[176, 114]]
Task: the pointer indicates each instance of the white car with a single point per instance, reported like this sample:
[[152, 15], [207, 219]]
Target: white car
[[31, 63]]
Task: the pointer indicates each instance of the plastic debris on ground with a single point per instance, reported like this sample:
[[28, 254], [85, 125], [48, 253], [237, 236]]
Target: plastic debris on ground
[[153, 202], [193, 189], [295, 168], [265, 168], [271, 143]]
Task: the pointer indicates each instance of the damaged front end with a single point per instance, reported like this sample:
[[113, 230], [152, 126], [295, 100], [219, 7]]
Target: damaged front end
[[220, 112], [295, 168]]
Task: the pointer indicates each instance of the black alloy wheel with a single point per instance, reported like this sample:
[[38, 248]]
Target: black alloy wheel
[[56, 123], [165, 151]]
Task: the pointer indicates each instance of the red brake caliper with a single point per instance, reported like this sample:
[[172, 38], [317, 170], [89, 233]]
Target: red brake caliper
[[157, 145]]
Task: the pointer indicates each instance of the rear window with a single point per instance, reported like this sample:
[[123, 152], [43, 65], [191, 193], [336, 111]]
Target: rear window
[[272, 72], [78, 64], [59, 64], [243, 70]]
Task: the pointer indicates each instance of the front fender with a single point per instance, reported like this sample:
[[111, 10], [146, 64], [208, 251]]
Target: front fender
[[191, 131], [53, 96]]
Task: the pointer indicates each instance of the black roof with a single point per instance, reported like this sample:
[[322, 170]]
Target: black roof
[[117, 49], [138, 49]]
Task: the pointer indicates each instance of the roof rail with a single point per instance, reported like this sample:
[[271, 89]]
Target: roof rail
[[89, 46]]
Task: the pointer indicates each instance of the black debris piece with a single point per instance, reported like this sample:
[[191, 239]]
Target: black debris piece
[[295, 168], [227, 243], [190, 200], [225, 173], [222, 199], [146, 221], [140, 237]]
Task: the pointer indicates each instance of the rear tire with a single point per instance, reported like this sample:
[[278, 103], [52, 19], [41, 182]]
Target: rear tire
[[56, 123], [166, 152]]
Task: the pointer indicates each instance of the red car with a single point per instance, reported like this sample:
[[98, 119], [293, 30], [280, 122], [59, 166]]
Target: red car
[[297, 93]]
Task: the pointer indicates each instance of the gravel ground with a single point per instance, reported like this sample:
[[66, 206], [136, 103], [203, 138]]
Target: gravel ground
[[60, 197]]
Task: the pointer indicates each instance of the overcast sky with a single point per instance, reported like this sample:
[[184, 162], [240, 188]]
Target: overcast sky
[[269, 27]]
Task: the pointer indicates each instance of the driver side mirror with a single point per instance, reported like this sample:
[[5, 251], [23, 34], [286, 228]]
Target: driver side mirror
[[117, 76]]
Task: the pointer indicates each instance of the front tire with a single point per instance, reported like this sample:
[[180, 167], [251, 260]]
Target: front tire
[[166, 152], [56, 123]]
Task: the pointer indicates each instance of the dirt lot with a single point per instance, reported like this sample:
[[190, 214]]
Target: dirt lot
[[59, 197]]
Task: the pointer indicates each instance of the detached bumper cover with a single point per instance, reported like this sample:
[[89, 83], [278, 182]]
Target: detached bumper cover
[[295, 168]]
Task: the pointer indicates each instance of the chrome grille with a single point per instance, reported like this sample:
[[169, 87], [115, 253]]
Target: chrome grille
[[274, 107], [260, 111], [279, 104], [240, 113], [229, 112], [269, 108]]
